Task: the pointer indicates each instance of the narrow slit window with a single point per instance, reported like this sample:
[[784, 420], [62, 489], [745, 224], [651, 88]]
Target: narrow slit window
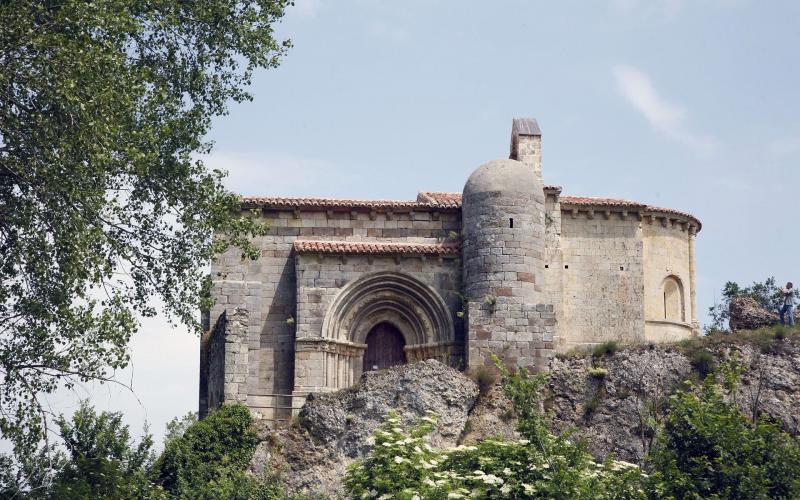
[[511, 223]]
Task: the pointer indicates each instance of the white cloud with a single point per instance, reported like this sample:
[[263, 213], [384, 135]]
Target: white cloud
[[664, 116], [277, 174]]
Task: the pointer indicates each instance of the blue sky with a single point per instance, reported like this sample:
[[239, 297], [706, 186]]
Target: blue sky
[[693, 105]]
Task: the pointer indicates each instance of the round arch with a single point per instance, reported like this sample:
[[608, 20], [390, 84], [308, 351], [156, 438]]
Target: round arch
[[674, 301], [414, 308]]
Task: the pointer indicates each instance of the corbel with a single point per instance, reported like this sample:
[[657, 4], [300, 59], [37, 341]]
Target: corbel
[[397, 258], [296, 213], [370, 259], [590, 214], [389, 215], [665, 222], [320, 257], [607, 214], [624, 215], [652, 219], [343, 258], [329, 214], [372, 215], [353, 215], [574, 213], [435, 215]]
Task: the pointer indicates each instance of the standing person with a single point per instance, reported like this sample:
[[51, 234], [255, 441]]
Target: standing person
[[788, 303]]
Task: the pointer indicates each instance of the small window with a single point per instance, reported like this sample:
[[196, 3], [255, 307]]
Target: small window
[[621, 268], [566, 267], [546, 266], [511, 223]]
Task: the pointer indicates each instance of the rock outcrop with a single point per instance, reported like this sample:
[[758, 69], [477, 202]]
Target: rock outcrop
[[615, 411], [334, 429], [747, 314]]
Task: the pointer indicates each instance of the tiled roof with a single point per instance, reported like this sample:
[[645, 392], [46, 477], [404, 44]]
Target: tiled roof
[[332, 203], [434, 197], [591, 201], [428, 200], [375, 247]]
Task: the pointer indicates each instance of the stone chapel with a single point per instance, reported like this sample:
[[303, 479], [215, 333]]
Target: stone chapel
[[508, 266]]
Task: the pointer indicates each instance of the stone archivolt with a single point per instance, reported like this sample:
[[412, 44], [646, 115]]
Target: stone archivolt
[[399, 299]]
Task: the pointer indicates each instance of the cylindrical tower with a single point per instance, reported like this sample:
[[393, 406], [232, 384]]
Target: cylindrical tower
[[503, 258], [503, 221]]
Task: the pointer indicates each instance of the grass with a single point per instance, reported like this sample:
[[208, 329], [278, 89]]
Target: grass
[[598, 373], [591, 406], [608, 348]]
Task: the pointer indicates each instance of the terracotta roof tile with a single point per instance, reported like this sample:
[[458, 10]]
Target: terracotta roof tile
[[429, 200], [589, 200], [375, 247], [332, 203], [436, 197]]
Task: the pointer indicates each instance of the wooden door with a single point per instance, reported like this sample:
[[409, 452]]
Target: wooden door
[[384, 348]]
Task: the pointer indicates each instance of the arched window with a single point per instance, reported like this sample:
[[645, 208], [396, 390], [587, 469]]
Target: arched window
[[674, 309]]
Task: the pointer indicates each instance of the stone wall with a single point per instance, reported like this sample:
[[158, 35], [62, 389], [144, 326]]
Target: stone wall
[[667, 254], [267, 287], [331, 359], [602, 276]]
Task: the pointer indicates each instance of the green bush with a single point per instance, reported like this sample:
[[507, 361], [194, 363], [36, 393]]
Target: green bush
[[210, 459], [709, 449], [605, 349], [702, 362], [598, 373]]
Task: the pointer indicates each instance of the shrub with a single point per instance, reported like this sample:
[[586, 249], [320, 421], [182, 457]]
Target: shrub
[[605, 349], [598, 373], [591, 406], [210, 459], [709, 449], [702, 362], [485, 378], [780, 332]]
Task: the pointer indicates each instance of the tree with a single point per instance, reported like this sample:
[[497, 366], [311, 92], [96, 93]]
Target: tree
[[709, 449], [177, 427], [210, 459], [101, 460], [104, 209]]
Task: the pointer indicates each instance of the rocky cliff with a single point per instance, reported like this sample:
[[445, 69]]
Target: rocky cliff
[[614, 401]]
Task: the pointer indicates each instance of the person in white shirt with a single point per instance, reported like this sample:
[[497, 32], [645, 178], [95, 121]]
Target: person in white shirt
[[788, 303]]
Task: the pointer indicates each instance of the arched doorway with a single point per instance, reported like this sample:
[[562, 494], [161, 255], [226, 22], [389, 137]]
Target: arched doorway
[[385, 346]]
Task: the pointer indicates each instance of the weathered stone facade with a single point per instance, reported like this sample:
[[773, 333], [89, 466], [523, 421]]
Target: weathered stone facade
[[510, 267]]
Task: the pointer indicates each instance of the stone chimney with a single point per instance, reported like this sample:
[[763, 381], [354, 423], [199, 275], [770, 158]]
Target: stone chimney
[[526, 143]]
